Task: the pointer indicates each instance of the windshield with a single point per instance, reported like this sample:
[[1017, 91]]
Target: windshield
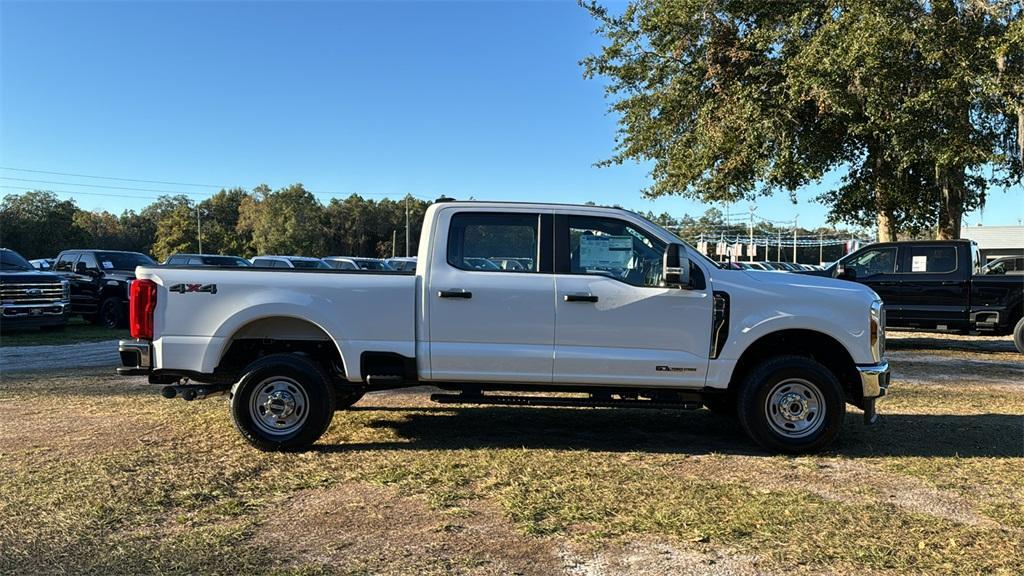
[[11, 260], [123, 260], [309, 264]]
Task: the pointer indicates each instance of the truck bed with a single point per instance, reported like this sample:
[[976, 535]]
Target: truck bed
[[201, 310]]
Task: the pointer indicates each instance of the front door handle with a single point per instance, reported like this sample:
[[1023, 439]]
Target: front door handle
[[455, 294], [580, 298]]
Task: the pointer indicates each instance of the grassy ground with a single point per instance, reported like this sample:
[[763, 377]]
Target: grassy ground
[[77, 330], [100, 475]]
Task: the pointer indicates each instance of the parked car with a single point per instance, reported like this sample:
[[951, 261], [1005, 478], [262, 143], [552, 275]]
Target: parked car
[[357, 263], [42, 264], [30, 298], [289, 262], [403, 264], [1005, 265], [937, 285], [478, 263], [207, 260], [99, 283], [667, 329]]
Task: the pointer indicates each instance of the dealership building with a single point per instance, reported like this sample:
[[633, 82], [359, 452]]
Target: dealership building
[[996, 241]]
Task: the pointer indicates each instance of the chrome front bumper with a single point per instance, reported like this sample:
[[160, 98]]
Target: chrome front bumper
[[874, 383], [136, 357], [874, 379]]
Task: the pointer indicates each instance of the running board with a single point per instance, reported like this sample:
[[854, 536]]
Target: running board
[[560, 401]]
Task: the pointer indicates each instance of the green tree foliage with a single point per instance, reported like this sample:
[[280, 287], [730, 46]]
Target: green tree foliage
[[38, 224], [219, 215], [285, 221], [915, 103]]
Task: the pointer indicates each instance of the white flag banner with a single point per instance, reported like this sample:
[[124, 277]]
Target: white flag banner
[[752, 250]]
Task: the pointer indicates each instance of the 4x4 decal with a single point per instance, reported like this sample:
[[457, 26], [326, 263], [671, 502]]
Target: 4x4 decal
[[185, 288]]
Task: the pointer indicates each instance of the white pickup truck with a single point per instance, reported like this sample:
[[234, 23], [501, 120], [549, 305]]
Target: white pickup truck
[[511, 300]]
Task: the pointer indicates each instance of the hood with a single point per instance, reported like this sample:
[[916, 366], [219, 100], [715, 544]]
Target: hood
[[795, 282], [27, 277]]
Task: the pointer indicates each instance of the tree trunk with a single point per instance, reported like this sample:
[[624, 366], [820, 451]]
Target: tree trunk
[[951, 203], [883, 212], [886, 225]]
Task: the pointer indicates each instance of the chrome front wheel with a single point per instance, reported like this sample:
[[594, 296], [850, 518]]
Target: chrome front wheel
[[795, 408]]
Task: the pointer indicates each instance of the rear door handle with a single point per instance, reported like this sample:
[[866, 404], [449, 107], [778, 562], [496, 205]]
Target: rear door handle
[[949, 282], [455, 294], [580, 298]]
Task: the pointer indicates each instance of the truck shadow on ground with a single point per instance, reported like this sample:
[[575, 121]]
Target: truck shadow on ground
[[992, 345], [691, 433]]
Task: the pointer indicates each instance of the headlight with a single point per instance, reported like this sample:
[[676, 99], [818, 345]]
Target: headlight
[[65, 291], [877, 330]]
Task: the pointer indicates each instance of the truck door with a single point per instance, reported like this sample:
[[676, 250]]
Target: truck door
[[876, 267], [614, 324], [488, 323], [934, 287]]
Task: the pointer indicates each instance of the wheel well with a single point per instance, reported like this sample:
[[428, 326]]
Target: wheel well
[[817, 345], [277, 335]]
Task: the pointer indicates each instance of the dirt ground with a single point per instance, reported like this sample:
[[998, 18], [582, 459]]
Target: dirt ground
[[99, 475]]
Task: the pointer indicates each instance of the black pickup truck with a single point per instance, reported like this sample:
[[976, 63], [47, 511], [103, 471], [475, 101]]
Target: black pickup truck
[[937, 285], [99, 283]]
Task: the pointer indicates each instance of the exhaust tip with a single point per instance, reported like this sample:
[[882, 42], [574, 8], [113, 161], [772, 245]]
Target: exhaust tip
[[168, 392]]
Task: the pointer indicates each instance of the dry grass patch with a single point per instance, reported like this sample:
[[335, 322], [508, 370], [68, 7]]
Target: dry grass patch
[[144, 485]]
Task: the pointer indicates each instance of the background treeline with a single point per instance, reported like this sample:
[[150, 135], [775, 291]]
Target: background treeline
[[290, 220]]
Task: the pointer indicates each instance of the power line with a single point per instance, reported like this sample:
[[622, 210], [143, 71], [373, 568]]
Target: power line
[[177, 192], [112, 178], [86, 193], [206, 194]]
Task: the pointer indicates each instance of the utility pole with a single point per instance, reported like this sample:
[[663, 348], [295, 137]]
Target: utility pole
[[821, 249], [750, 246], [406, 225], [394, 236], [794, 237], [199, 229], [778, 252]]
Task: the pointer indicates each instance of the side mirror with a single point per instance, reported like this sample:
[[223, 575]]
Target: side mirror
[[676, 267], [846, 273]]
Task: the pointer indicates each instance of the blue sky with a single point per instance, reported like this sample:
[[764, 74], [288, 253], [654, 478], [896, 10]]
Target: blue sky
[[466, 99]]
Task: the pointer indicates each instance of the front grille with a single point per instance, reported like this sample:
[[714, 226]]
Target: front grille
[[31, 293]]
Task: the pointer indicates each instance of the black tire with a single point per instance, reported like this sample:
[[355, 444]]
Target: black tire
[[1018, 336], [111, 313], [792, 405], [723, 405], [295, 379]]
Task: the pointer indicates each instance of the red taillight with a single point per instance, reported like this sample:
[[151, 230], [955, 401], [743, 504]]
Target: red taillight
[[141, 306]]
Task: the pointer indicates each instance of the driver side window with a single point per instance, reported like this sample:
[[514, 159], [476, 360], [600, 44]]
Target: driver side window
[[614, 248], [874, 262]]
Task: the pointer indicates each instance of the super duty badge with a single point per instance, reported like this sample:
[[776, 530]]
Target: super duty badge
[[186, 288]]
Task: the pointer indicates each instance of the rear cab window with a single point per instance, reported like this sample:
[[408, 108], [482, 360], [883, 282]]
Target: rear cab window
[[928, 260], [488, 242]]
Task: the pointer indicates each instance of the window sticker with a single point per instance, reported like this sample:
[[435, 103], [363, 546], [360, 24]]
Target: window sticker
[[605, 251], [919, 264], [108, 264]]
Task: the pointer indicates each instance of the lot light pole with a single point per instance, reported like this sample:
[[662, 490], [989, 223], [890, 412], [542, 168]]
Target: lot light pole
[[794, 237], [406, 225], [199, 229]]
